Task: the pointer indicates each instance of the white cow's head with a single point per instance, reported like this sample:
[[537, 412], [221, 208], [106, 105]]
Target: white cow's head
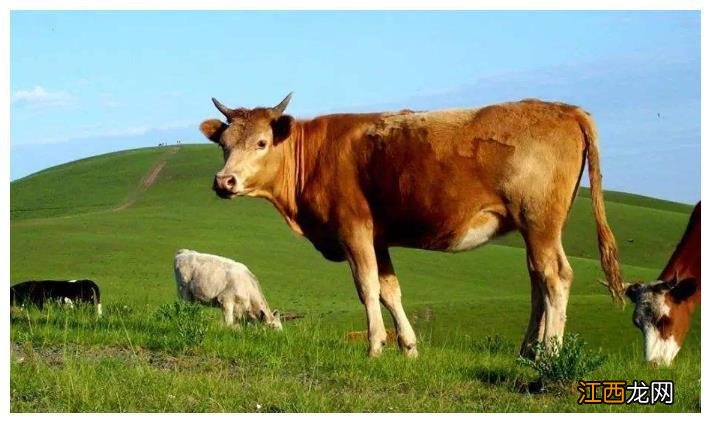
[[274, 321]]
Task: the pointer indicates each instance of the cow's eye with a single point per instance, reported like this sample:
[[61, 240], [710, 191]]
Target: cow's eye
[[261, 144]]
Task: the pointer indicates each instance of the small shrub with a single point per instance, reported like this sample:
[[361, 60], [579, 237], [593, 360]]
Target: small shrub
[[181, 326], [493, 344], [561, 366]]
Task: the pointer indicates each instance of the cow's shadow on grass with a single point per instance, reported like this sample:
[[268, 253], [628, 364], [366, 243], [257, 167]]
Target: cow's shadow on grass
[[510, 379]]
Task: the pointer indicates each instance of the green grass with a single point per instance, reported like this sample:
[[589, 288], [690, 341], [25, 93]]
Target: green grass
[[63, 225]]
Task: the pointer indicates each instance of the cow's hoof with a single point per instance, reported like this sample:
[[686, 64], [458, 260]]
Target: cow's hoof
[[527, 351], [408, 348], [410, 352], [376, 349]]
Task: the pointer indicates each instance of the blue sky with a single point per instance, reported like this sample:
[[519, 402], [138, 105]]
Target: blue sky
[[84, 83]]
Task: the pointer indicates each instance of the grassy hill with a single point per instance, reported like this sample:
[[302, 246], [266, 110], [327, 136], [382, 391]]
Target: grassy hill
[[115, 219]]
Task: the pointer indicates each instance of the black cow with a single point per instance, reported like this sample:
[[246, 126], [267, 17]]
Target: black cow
[[38, 292]]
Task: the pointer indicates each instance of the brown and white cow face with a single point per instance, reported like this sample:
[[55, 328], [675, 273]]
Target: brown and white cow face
[[662, 316], [249, 143]]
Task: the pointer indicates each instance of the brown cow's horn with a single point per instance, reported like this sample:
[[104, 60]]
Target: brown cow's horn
[[278, 110], [617, 296], [222, 108], [606, 284]]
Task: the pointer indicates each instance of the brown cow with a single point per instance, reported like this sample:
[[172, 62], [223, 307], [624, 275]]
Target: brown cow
[[451, 180], [663, 308]]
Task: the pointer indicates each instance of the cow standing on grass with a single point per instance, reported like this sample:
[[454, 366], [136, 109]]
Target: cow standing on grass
[[222, 282], [451, 180], [663, 308]]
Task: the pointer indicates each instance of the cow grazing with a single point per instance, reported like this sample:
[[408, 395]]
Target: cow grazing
[[222, 282], [450, 180], [663, 308], [69, 292]]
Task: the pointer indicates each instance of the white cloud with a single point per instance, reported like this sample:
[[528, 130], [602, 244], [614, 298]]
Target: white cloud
[[38, 97]]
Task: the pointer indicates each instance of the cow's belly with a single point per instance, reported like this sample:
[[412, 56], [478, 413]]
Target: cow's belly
[[202, 294], [450, 235], [479, 231]]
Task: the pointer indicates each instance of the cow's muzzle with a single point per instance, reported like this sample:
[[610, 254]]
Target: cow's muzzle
[[225, 186]]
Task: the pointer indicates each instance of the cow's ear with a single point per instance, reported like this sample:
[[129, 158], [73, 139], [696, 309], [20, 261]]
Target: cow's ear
[[683, 289], [213, 129], [281, 128], [633, 291]]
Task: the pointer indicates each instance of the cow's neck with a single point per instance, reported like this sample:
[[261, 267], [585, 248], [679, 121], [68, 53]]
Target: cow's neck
[[294, 171]]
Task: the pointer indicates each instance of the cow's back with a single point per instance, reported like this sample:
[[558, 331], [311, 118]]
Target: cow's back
[[685, 262], [205, 276], [473, 150]]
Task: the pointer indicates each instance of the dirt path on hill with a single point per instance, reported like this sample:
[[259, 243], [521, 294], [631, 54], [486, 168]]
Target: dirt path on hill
[[147, 181]]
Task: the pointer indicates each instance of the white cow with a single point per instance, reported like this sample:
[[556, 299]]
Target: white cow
[[222, 282]]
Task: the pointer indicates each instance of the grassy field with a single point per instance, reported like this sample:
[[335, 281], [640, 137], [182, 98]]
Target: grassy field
[[98, 218]]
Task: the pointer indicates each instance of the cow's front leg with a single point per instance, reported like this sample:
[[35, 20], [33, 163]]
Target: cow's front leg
[[391, 297], [228, 312], [364, 266]]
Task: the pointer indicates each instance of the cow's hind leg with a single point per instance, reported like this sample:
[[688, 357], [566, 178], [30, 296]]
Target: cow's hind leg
[[549, 267], [391, 297], [361, 257], [536, 323]]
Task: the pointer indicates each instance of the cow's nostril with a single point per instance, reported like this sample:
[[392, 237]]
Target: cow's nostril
[[224, 182]]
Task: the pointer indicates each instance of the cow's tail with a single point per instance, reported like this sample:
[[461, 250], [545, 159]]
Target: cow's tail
[[605, 238]]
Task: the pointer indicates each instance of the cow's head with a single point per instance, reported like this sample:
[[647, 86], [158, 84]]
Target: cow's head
[[276, 321], [271, 319], [249, 142], [661, 316]]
